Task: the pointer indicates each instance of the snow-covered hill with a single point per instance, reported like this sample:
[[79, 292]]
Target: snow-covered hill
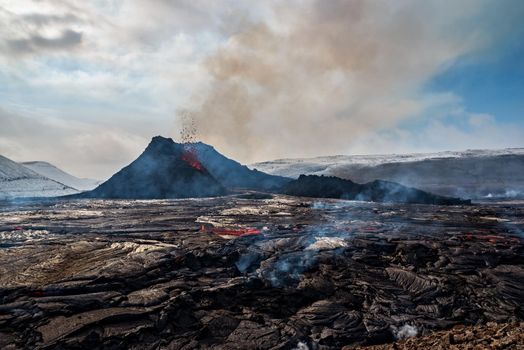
[[52, 172], [293, 167], [471, 173], [18, 181]]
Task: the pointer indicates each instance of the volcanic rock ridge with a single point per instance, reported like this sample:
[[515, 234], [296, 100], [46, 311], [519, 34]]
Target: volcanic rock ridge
[[375, 191], [232, 174], [164, 170], [167, 169]]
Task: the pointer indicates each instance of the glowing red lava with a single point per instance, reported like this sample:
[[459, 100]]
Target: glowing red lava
[[239, 232], [189, 156]]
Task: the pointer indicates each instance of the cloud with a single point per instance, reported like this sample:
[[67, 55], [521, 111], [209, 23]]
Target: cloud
[[84, 149], [262, 79], [319, 74], [28, 30], [458, 130], [66, 40], [42, 20]]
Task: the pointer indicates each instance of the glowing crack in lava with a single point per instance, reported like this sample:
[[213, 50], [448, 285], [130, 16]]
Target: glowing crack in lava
[[190, 157], [230, 232]]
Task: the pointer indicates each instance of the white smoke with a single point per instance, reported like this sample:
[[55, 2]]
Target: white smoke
[[316, 70], [404, 332], [301, 346]]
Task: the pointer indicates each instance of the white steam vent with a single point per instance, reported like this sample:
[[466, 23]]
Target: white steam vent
[[301, 346], [404, 332]]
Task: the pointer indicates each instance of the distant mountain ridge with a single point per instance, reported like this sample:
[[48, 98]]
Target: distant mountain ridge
[[54, 173], [324, 162], [167, 169], [17, 180], [375, 191], [471, 174]]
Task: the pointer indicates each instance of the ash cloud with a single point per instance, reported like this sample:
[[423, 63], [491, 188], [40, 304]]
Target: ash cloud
[[315, 75]]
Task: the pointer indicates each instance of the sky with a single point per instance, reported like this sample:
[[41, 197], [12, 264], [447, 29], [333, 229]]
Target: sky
[[86, 84]]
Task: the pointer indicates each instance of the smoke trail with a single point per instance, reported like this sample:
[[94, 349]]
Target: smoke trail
[[315, 69]]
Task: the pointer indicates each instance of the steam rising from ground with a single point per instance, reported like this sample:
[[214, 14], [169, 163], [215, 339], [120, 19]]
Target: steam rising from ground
[[288, 268], [317, 74], [404, 332]]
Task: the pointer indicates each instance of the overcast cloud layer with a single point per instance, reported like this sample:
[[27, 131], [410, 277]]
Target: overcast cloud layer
[[86, 84]]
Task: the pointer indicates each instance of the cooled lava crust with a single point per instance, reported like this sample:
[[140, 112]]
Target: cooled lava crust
[[323, 274]]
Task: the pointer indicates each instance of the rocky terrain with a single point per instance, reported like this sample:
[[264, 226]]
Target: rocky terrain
[[232, 174], [375, 191], [303, 273], [167, 169], [485, 337], [164, 170], [472, 174]]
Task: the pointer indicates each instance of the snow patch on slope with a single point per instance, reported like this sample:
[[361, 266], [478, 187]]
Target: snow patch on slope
[[19, 181], [473, 174], [293, 167], [52, 172]]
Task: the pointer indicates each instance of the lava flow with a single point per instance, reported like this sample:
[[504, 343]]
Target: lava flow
[[230, 233], [190, 157], [239, 272]]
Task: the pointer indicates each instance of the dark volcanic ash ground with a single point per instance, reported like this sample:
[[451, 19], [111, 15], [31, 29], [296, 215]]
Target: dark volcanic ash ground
[[320, 274]]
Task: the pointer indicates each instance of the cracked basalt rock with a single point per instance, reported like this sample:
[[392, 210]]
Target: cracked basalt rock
[[376, 191], [323, 274], [483, 337]]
